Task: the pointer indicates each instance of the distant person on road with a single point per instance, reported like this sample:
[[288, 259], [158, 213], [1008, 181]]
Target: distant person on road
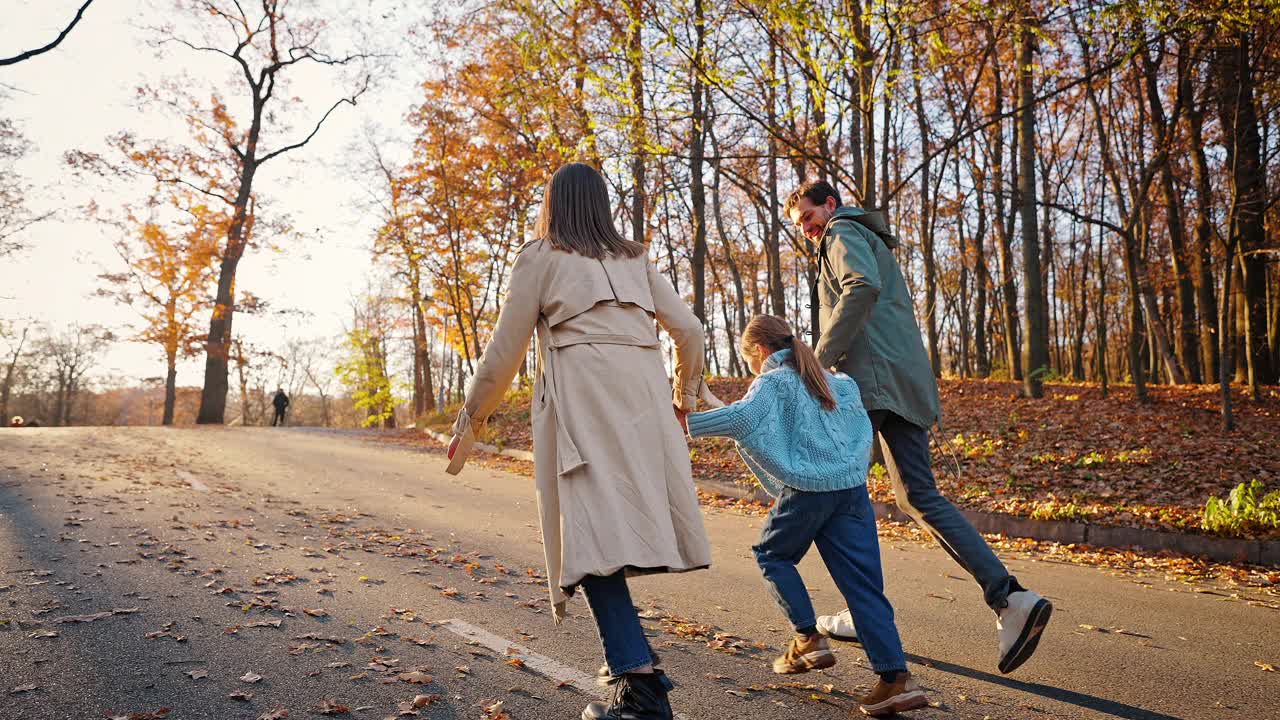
[[16, 421], [611, 464], [869, 332], [281, 403], [806, 437]]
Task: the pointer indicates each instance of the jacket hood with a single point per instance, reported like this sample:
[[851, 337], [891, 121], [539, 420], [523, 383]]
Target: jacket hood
[[869, 219]]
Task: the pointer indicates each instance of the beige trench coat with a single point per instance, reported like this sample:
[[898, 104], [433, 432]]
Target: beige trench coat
[[611, 464]]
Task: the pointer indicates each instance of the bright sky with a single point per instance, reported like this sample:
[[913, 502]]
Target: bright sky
[[81, 92]]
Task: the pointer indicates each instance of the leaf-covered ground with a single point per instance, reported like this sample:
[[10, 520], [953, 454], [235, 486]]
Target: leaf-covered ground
[[1073, 455], [1206, 576]]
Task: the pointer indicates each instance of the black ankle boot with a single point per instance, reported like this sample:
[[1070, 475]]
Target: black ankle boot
[[636, 696]]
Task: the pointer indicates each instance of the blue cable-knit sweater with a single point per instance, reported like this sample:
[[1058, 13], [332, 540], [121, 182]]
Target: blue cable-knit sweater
[[787, 438]]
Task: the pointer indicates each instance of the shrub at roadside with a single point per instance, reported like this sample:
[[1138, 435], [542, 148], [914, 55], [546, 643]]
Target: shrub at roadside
[[1246, 511]]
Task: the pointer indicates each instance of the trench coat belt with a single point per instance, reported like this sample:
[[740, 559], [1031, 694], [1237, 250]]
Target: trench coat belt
[[568, 459]]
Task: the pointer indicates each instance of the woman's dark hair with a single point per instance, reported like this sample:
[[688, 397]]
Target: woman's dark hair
[[575, 215], [775, 334]]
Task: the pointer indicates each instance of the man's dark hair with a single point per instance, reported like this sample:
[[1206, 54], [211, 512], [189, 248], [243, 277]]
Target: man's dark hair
[[816, 190]]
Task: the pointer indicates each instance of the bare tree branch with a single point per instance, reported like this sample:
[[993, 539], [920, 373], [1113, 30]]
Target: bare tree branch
[[41, 50], [316, 129]]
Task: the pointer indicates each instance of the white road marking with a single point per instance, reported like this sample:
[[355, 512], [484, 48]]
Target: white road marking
[[538, 663], [191, 480], [532, 660]]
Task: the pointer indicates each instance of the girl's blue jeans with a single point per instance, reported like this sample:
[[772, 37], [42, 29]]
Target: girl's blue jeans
[[625, 646], [843, 526]]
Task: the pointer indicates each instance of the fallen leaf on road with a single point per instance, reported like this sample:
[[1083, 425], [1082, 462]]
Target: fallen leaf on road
[[23, 688], [267, 623], [245, 696], [331, 707], [1267, 667], [316, 612], [417, 677], [82, 618], [276, 714], [44, 634], [516, 663], [197, 674], [250, 677], [149, 715], [323, 638], [420, 701], [449, 592]]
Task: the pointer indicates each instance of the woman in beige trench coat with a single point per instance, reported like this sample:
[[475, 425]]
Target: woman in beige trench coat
[[611, 464]]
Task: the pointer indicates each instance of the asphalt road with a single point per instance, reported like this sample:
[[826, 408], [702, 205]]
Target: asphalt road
[[145, 568]]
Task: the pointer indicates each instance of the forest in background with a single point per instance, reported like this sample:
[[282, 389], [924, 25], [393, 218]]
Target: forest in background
[[1084, 191]]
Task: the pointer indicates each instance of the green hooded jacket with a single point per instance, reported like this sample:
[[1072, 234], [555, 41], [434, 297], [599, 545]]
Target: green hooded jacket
[[867, 320]]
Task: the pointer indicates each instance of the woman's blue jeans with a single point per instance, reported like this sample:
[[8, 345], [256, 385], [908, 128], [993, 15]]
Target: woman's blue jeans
[[842, 524], [625, 646]]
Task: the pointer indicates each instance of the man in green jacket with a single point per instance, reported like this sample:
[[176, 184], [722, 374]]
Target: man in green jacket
[[869, 332]]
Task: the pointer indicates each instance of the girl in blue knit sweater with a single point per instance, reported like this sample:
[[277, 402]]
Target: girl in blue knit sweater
[[804, 434]]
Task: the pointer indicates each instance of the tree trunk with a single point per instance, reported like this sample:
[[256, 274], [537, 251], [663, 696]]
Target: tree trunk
[[963, 316], [1035, 337], [931, 272], [1239, 118], [1137, 331], [70, 402], [60, 400], [245, 418], [982, 279], [424, 399], [580, 71], [1100, 312], [1186, 343], [697, 191], [1206, 303], [9, 371], [926, 227], [1008, 296], [213, 396], [773, 240], [739, 293], [860, 78], [635, 80], [1082, 310], [170, 386], [1224, 338]]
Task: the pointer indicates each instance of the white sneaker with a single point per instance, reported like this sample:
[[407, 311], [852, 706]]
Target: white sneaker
[[1020, 625], [838, 626]]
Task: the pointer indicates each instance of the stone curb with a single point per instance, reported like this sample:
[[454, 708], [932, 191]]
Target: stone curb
[[1258, 552]]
